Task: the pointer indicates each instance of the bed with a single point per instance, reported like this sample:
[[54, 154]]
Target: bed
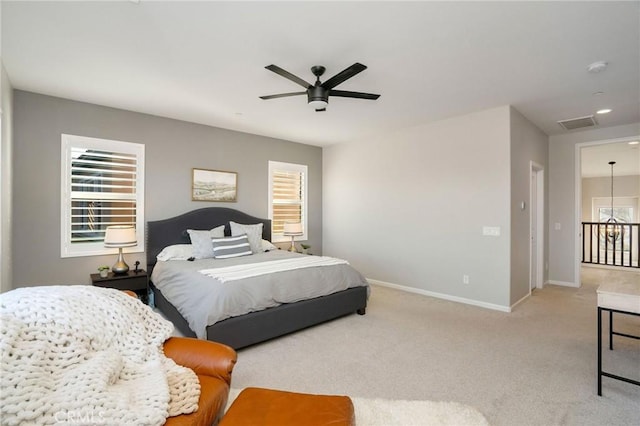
[[249, 328]]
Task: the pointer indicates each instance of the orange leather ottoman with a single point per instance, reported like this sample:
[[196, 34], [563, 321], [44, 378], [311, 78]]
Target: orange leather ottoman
[[256, 406]]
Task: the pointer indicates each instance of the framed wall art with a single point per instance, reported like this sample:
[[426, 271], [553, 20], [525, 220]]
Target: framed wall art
[[214, 185]]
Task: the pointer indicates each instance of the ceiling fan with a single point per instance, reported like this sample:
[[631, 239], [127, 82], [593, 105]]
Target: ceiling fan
[[318, 93]]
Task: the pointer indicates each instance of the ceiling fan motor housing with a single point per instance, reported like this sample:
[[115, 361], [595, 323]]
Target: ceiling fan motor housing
[[317, 93]]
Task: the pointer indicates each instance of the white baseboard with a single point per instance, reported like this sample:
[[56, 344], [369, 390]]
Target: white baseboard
[[513, 305], [441, 296], [563, 283]]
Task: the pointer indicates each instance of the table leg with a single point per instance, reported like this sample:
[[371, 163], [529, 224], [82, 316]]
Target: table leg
[[610, 330], [599, 351]]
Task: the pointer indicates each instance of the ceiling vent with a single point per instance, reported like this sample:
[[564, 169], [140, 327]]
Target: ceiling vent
[[578, 123]]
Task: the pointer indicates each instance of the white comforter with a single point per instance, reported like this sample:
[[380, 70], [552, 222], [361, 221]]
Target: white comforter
[[203, 300], [238, 272], [87, 355]]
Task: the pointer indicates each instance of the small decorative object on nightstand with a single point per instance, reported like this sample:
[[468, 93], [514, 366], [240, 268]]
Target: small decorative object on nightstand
[[103, 271], [305, 248], [132, 280]]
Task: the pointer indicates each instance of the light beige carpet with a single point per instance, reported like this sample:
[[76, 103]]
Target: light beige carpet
[[535, 366], [388, 412]]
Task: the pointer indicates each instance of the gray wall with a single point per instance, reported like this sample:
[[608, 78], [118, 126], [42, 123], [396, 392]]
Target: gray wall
[[6, 178], [528, 143], [600, 187], [562, 198], [172, 149], [407, 208]]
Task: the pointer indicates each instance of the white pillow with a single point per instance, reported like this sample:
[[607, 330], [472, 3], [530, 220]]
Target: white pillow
[[267, 246], [176, 252], [254, 234], [201, 241]]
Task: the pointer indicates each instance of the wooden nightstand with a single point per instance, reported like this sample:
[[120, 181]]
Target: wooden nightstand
[[135, 281]]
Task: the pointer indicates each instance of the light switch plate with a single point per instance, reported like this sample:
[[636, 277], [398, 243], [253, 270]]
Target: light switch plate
[[491, 231]]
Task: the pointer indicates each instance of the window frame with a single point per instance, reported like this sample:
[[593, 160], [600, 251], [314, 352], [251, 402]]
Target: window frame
[[290, 167], [68, 142], [631, 202]]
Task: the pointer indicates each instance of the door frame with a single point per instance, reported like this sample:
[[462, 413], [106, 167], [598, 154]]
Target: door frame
[[536, 201], [577, 210]]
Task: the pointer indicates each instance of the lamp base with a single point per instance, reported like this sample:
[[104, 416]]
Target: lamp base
[[120, 267], [292, 249]]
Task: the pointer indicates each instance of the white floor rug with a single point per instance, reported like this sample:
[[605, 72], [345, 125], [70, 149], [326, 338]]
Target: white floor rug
[[386, 412]]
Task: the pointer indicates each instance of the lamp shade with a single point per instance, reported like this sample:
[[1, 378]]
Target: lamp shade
[[120, 236], [292, 228]]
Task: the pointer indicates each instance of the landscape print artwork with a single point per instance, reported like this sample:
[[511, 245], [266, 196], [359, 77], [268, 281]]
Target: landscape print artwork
[[214, 185]]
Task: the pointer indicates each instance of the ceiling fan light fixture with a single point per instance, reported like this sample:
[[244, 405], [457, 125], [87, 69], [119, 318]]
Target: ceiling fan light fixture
[[318, 104], [317, 97]]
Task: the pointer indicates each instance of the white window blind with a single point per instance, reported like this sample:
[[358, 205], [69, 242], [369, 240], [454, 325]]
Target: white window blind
[[287, 198], [103, 185]]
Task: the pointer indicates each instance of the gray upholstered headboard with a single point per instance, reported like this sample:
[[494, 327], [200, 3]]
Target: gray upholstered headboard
[[162, 233]]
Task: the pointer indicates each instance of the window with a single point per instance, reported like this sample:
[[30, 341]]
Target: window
[[287, 198], [102, 185], [624, 209]]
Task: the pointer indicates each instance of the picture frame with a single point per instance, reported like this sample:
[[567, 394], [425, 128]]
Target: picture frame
[[214, 185]]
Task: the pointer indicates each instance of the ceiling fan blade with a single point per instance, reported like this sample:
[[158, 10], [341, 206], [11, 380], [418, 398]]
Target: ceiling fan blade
[[320, 110], [347, 94], [282, 95], [288, 75], [344, 75]]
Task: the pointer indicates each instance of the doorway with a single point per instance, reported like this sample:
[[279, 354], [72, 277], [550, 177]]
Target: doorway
[[592, 163], [536, 235]]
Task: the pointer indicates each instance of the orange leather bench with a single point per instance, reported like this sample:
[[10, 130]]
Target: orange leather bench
[[256, 406]]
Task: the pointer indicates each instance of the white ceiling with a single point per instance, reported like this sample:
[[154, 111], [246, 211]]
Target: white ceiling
[[204, 61]]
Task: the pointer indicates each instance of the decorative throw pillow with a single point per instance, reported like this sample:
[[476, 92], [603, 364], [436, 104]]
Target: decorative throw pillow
[[254, 234], [268, 246], [226, 247], [176, 252], [201, 241]]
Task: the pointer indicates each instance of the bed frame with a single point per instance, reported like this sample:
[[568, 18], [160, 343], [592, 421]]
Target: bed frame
[[255, 327]]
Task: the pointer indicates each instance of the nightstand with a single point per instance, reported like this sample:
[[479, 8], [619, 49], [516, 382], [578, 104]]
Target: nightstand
[[135, 281]]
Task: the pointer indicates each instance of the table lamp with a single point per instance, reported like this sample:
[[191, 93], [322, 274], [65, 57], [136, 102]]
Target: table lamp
[[119, 237], [292, 229]]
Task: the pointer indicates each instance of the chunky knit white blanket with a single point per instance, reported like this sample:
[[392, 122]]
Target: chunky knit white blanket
[[87, 355]]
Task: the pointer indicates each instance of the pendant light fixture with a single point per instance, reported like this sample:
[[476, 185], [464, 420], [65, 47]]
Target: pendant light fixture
[[612, 229]]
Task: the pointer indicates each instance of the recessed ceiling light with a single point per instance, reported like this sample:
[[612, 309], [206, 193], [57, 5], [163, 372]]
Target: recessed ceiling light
[[634, 143], [604, 111], [597, 67]]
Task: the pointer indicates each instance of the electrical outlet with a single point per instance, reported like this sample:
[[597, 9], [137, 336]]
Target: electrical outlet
[[465, 279]]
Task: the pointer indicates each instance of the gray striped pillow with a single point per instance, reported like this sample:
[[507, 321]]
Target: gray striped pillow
[[224, 248]]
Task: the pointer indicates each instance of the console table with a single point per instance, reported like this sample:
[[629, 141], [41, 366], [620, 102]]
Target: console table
[[621, 298]]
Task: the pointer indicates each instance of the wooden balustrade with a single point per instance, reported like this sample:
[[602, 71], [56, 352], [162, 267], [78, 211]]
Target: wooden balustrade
[[611, 244]]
